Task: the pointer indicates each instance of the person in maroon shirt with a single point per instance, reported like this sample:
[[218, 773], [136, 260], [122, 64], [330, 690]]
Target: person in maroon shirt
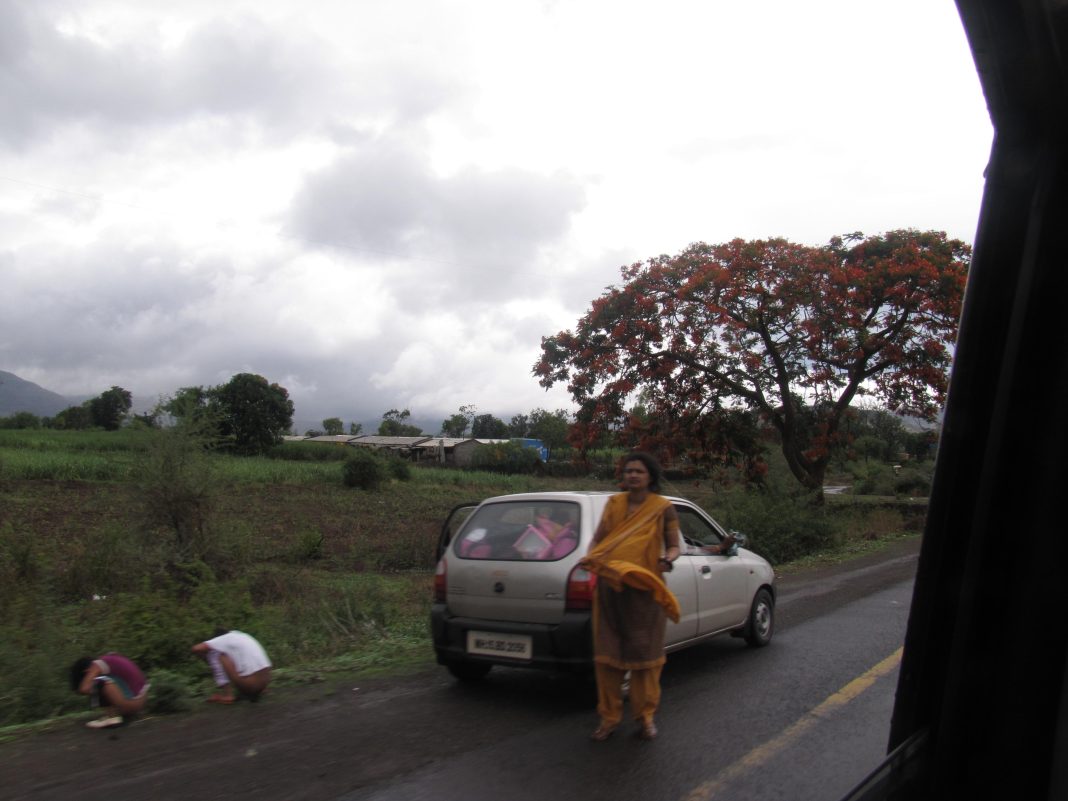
[[111, 681]]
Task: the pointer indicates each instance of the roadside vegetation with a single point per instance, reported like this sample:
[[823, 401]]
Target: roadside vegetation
[[143, 540]]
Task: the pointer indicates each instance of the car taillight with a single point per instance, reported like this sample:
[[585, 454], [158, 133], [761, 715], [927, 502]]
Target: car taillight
[[440, 574], [580, 588]]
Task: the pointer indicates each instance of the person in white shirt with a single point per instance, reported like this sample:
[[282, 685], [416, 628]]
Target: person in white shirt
[[238, 661]]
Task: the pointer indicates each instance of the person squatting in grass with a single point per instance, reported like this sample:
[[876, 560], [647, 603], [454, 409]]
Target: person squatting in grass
[[111, 681], [238, 661], [637, 540]]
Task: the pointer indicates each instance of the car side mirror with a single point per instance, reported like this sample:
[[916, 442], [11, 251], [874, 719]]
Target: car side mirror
[[740, 541]]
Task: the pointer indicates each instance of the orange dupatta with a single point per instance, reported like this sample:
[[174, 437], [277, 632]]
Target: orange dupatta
[[629, 552]]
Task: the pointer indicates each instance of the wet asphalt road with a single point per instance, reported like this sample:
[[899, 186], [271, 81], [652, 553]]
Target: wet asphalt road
[[736, 723]]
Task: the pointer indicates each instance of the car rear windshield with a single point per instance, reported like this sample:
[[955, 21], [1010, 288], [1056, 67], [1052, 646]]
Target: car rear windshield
[[538, 531]]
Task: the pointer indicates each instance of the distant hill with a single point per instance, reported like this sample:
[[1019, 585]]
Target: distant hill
[[17, 395]]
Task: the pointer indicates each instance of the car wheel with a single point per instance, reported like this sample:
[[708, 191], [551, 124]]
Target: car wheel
[[469, 671], [761, 623]]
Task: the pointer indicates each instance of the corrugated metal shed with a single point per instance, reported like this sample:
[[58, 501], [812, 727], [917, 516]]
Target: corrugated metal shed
[[376, 441], [335, 438]]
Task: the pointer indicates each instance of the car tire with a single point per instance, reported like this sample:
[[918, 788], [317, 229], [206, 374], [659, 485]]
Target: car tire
[[761, 623], [469, 671]]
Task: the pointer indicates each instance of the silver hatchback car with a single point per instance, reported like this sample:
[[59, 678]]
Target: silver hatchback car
[[508, 589]]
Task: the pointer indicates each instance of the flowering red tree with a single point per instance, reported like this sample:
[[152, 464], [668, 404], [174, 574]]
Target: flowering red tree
[[790, 331]]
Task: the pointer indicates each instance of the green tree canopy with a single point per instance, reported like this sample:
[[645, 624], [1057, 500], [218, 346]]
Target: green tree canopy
[[333, 426], [395, 424], [519, 426], [21, 420], [187, 403], [108, 409], [456, 425], [252, 414], [486, 426], [550, 427], [73, 418], [772, 326]]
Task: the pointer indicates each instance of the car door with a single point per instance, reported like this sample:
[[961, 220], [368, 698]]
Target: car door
[[453, 521], [682, 581], [721, 581]]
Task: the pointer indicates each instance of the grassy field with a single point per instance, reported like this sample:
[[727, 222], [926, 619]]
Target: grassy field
[[329, 578]]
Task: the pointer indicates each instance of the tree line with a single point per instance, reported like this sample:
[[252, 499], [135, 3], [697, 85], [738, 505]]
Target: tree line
[[706, 358]]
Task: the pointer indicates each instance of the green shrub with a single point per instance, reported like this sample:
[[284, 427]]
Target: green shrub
[[157, 628], [912, 482], [177, 487], [779, 528], [308, 546], [510, 458], [872, 478], [37, 646], [398, 468], [364, 470], [20, 558], [170, 692], [107, 560]]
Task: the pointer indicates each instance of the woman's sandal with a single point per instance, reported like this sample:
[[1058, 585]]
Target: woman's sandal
[[602, 733], [105, 723]]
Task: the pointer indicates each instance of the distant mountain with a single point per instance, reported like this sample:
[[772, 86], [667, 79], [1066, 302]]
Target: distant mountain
[[17, 395]]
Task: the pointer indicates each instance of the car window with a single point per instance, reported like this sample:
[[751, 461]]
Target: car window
[[541, 531], [453, 523], [695, 529]]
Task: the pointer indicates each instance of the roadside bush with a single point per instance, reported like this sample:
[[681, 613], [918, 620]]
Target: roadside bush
[[228, 549], [912, 482], [779, 528], [170, 693], [156, 628], [308, 546], [34, 664], [872, 478], [177, 486], [364, 470], [398, 468], [107, 560], [20, 558], [877, 523]]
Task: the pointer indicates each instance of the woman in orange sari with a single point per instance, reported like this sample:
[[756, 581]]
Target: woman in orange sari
[[636, 542]]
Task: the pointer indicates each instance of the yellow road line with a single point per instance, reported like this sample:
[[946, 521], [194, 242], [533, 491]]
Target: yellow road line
[[763, 753]]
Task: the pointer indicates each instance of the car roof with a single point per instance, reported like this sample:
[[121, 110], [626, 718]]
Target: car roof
[[564, 495]]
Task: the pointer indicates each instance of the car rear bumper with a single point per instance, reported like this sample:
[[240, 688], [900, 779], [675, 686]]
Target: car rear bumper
[[567, 645]]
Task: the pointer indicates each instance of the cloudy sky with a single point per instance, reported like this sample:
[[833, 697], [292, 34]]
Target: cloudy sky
[[387, 205]]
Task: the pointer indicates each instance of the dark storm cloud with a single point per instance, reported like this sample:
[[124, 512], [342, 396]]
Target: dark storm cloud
[[69, 308], [153, 318], [474, 235]]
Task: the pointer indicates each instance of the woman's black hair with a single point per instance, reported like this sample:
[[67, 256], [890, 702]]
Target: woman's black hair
[[651, 464], [78, 671]]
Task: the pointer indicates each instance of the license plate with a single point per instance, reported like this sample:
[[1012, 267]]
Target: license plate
[[490, 643]]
